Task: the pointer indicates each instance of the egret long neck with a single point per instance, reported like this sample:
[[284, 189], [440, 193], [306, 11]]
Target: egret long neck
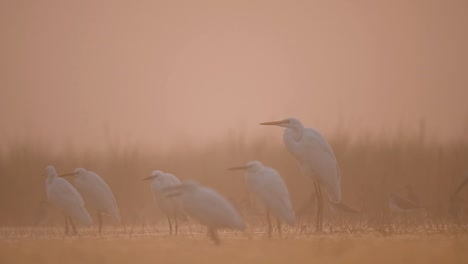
[[296, 132], [292, 138], [51, 177]]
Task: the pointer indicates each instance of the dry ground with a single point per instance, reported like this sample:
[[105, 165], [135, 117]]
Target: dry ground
[[237, 248]]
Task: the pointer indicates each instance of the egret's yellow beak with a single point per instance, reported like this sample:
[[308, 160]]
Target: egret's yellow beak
[[238, 168], [274, 123], [68, 174], [149, 178]]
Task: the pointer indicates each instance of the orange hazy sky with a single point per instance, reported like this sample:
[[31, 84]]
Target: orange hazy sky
[[157, 72]]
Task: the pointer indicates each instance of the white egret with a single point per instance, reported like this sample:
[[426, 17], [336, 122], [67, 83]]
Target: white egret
[[96, 193], [207, 206], [316, 160], [171, 206], [267, 184], [67, 199]]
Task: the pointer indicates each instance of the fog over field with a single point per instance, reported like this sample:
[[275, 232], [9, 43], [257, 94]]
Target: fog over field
[[158, 73]]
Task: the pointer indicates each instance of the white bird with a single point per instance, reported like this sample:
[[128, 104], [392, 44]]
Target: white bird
[[96, 193], [67, 199], [207, 206], [267, 184], [316, 159], [171, 206]]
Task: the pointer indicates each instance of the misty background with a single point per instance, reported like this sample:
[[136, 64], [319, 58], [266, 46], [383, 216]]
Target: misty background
[[122, 88], [161, 73]]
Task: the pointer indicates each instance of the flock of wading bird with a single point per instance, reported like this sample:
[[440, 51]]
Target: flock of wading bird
[[203, 204]]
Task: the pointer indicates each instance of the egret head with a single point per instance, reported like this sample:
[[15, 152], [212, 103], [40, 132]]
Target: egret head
[[288, 123], [50, 171], [251, 165], [154, 175], [80, 171]]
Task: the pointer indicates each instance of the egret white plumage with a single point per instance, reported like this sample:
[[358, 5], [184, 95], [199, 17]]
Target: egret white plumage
[[67, 199], [171, 206], [316, 159], [96, 193], [207, 206], [267, 184]]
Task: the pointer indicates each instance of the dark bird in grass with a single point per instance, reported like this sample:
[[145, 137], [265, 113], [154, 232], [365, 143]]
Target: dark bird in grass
[[342, 209], [456, 203], [400, 204]]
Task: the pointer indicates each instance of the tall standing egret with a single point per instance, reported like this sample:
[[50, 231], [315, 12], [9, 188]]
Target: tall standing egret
[[67, 199], [267, 184], [96, 193], [171, 206], [316, 160], [207, 206]]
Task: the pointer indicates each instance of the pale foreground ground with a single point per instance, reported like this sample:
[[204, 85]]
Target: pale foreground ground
[[238, 248]]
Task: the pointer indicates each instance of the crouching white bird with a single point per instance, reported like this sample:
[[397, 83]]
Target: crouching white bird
[[207, 206], [67, 199], [316, 159], [96, 193], [267, 184], [171, 206]]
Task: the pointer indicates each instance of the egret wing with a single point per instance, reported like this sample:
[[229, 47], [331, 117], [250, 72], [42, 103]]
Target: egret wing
[[272, 191], [211, 209], [64, 196], [320, 161]]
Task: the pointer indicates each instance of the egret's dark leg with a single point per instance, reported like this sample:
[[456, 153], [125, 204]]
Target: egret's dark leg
[[73, 226], [66, 225], [319, 207], [213, 235], [270, 228], [170, 225], [99, 220], [278, 223], [124, 228], [176, 225]]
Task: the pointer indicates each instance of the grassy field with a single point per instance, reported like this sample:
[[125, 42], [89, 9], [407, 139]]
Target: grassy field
[[370, 171], [365, 248]]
